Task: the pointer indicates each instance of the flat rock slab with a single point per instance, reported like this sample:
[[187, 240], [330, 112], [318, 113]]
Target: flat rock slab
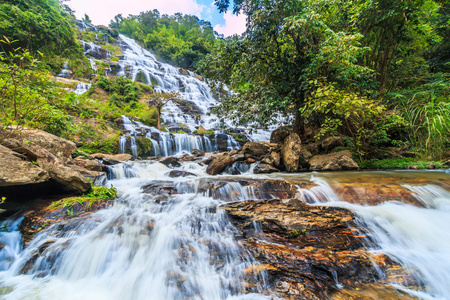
[[307, 250]]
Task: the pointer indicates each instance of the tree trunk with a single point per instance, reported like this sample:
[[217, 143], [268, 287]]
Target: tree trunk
[[158, 124]]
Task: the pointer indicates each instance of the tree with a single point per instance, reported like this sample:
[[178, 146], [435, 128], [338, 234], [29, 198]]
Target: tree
[[287, 44], [159, 100]]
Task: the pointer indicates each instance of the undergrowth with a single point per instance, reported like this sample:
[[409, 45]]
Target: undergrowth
[[397, 163], [97, 193]]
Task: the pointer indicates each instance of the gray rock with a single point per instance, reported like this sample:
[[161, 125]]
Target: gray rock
[[265, 169], [333, 162], [290, 152]]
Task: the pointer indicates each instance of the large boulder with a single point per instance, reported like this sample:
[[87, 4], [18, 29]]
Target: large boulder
[[333, 162], [280, 134], [170, 161], [89, 164], [55, 166], [16, 170], [256, 150], [57, 146], [331, 142], [219, 164], [290, 152]]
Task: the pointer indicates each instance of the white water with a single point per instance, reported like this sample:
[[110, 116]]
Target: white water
[[418, 238], [140, 248]]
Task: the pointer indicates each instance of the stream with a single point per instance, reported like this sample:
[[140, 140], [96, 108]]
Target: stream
[[181, 245]]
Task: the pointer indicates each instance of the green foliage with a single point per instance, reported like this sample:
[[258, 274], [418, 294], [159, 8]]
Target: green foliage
[[121, 89], [29, 97], [360, 116], [397, 163], [179, 39], [427, 113], [108, 145], [44, 26], [96, 194]]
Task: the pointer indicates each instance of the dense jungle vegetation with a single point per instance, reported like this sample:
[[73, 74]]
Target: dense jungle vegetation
[[182, 40], [376, 73]]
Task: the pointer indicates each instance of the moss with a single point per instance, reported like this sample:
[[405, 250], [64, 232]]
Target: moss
[[96, 194], [240, 138], [114, 58], [108, 146], [145, 148]]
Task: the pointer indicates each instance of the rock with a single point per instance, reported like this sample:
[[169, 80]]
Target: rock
[[333, 162], [160, 188], [187, 157], [331, 142], [57, 146], [238, 157], [290, 152], [273, 159], [15, 170], [180, 173], [250, 160], [255, 150], [109, 157], [303, 249], [55, 167], [91, 165], [207, 160], [170, 161], [219, 164], [201, 130], [197, 152], [280, 134], [447, 163], [313, 148], [304, 158], [430, 166], [265, 169]]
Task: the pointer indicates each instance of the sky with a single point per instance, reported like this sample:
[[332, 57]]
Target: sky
[[102, 11]]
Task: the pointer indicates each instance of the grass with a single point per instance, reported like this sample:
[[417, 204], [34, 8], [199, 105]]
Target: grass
[[397, 163], [96, 194]]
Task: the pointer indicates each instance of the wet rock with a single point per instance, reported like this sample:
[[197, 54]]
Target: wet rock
[[188, 157], [333, 162], [370, 292], [290, 152], [160, 188], [238, 156], [306, 250], [256, 150], [170, 161], [197, 152], [207, 160], [180, 173], [219, 164], [265, 169], [273, 159], [280, 134]]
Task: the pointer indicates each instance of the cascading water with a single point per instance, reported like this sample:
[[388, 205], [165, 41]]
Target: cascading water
[[417, 237], [142, 247], [166, 143]]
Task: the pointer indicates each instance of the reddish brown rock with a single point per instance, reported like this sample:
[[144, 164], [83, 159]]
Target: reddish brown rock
[[219, 164]]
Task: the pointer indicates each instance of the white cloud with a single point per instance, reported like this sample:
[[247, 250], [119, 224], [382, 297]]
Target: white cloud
[[233, 24], [102, 12]]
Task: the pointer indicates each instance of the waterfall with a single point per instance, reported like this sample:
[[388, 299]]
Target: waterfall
[[139, 248], [418, 238]]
